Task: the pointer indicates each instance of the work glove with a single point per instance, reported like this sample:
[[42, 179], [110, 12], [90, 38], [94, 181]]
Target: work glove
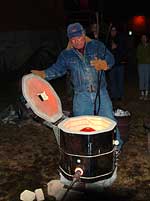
[[40, 73], [99, 64]]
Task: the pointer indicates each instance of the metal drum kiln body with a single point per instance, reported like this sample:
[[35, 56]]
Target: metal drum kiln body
[[86, 143], [92, 151]]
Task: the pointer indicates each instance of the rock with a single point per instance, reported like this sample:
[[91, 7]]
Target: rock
[[39, 194], [27, 195], [56, 188]]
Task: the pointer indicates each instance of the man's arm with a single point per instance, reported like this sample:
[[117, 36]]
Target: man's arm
[[54, 71]]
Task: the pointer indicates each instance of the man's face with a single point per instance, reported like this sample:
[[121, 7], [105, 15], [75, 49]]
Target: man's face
[[78, 42]]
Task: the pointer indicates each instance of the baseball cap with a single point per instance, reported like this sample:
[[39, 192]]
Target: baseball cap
[[74, 30]]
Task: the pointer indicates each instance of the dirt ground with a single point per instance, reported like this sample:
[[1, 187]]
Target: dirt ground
[[29, 154]]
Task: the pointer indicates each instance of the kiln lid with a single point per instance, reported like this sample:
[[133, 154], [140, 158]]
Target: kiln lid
[[41, 98]]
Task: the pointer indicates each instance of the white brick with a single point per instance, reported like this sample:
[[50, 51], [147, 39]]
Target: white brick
[[39, 194], [56, 188], [27, 195]]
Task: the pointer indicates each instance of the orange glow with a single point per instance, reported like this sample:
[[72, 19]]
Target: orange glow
[[138, 23], [86, 124], [78, 169], [139, 20], [49, 106], [43, 99]]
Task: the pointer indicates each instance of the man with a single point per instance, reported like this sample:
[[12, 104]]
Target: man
[[86, 60]]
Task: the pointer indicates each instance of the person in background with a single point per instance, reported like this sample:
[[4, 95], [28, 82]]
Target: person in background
[[116, 44], [143, 62], [86, 59], [93, 31]]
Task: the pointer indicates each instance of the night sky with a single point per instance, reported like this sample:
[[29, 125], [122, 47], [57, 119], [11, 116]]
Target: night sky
[[125, 9], [114, 8], [22, 14], [34, 13]]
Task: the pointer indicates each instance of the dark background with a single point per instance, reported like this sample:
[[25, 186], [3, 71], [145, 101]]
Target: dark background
[[39, 14], [31, 14], [33, 32]]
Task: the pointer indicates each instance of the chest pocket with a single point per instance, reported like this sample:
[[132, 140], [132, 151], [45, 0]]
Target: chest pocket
[[91, 56]]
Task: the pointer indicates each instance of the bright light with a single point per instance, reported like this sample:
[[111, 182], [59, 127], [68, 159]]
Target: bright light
[[130, 33]]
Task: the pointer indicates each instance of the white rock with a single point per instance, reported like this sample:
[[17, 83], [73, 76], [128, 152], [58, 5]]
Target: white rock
[[39, 194], [27, 195], [121, 113], [56, 188]]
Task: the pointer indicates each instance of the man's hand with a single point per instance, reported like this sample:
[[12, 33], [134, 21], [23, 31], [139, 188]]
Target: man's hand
[[40, 73], [99, 64]]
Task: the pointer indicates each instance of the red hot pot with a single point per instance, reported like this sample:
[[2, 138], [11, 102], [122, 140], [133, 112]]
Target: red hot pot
[[85, 142]]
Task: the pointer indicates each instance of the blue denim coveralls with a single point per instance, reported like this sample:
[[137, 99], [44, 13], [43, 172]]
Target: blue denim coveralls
[[85, 78]]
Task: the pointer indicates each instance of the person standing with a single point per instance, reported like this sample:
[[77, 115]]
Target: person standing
[[86, 59], [143, 63], [116, 44], [93, 31]]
